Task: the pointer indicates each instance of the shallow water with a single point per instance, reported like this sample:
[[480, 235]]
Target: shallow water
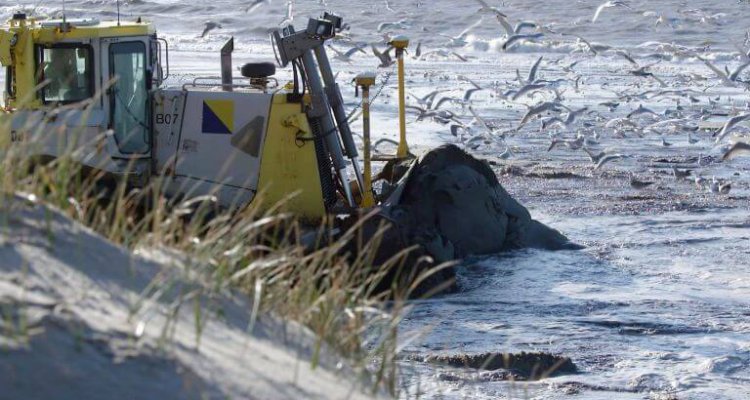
[[654, 303], [659, 302]]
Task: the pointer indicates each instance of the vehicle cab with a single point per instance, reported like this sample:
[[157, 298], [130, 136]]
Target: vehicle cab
[[69, 81]]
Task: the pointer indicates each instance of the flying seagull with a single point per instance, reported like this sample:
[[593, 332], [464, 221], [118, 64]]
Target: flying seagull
[[486, 8], [735, 150], [289, 18], [728, 77], [427, 100], [609, 4], [594, 157], [729, 125], [460, 40], [384, 57], [539, 109], [255, 4], [520, 36], [534, 68], [607, 158], [347, 56], [210, 25]]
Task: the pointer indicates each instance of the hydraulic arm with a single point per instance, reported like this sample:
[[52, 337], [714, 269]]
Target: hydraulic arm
[[308, 47]]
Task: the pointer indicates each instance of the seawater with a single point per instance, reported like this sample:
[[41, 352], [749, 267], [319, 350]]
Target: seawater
[[658, 304]]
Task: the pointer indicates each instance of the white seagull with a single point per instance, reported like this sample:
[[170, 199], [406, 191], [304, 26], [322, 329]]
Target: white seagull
[[347, 56], [609, 4], [460, 40], [729, 125], [736, 149], [210, 25], [385, 57], [289, 14], [255, 4], [728, 77], [520, 36]]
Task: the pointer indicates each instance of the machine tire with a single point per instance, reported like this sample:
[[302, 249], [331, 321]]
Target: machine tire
[[258, 70]]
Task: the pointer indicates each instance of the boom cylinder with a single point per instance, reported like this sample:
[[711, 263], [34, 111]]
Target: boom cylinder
[[307, 46], [337, 105], [324, 126]]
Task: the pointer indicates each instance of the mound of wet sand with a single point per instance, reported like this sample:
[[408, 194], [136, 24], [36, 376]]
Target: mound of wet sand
[[81, 318], [521, 366], [453, 196], [451, 205]]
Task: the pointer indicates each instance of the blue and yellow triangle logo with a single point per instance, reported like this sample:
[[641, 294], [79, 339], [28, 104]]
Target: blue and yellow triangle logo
[[218, 116]]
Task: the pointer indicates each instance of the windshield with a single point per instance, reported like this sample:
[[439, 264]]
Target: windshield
[[67, 73]]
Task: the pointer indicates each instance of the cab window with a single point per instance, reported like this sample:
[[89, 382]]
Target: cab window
[[129, 102], [67, 73]]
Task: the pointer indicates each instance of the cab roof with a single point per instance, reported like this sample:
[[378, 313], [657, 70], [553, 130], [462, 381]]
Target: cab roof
[[50, 31]]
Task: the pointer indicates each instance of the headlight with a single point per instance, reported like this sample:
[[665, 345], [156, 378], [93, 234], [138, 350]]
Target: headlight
[[13, 40], [320, 28]]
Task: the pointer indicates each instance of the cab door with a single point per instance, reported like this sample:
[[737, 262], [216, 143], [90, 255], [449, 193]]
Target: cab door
[[127, 100]]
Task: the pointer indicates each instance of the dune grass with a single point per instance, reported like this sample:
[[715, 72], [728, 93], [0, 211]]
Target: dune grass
[[257, 251]]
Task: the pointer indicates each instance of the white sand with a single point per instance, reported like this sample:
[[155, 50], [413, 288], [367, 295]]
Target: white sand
[[87, 338]]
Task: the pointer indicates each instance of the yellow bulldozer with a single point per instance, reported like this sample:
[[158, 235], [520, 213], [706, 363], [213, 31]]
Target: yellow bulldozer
[[229, 137], [240, 139]]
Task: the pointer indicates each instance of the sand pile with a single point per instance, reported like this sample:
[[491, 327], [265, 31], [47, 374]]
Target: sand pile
[[83, 319], [451, 205], [453, 196]]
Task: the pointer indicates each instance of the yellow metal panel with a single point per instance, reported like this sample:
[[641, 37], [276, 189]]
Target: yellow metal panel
[[25, 69], [5, 40], [286, 167], [49, 35], [53, 33]]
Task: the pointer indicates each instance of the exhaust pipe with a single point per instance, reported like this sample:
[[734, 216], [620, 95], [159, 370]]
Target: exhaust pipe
[[226, 65]]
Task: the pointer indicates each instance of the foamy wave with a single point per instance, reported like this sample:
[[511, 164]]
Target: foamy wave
[[540, 46]]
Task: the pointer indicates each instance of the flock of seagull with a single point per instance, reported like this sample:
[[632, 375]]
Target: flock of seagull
[[587, 123], [545, 101]]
